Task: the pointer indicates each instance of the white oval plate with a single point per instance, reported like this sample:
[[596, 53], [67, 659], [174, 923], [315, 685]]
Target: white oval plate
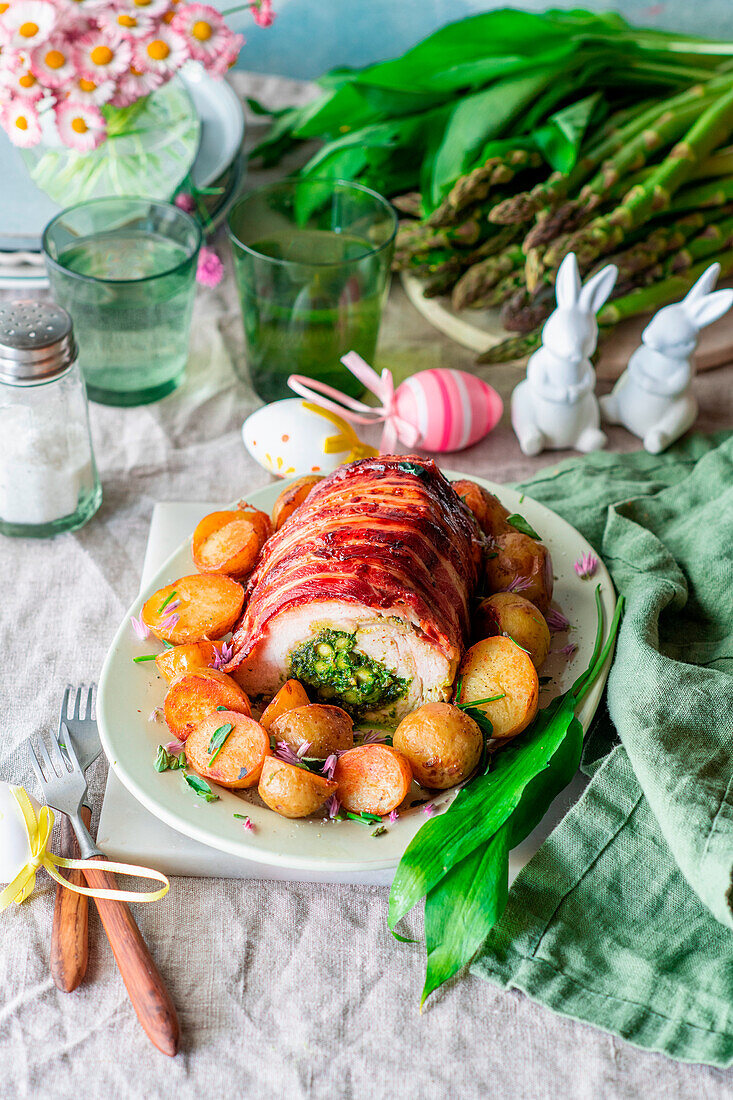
[[129, 692]]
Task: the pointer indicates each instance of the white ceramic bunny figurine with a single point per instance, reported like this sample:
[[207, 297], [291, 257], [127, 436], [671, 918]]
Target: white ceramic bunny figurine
[[653, 397], [555, 406]]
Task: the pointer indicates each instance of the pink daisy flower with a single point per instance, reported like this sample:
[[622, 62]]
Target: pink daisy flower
[[82, 90], [133, 85], [228, 57], [17, 81], [210, 269], [99, 57], [53, 62], [27, 23], [20, 122], [121, 25], [149, 9], [164, 53], [81, 125], [204, 30], [185, 202], [262, 13]]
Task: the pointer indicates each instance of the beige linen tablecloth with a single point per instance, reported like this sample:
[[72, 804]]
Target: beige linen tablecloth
[[283, 990]]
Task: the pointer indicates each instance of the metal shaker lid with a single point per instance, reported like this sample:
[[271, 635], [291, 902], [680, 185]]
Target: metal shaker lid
[[36, 342]]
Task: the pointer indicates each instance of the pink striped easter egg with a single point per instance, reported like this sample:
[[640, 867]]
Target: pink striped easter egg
[[450, 408]]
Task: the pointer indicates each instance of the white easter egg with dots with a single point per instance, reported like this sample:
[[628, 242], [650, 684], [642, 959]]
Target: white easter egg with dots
[[15, 849], [293, 437]]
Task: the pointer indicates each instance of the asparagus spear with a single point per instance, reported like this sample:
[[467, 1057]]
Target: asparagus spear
[[644, 199], [481, 277], [717, 237], [514, 347], [670, 289], [712, 193], [476, 185]]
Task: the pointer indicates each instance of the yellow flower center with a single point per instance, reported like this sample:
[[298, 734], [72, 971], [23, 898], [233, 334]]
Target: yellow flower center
[[202, 30], [4, 8], [55, 59], [127, 20], [141, 3], [27, 80], [86, 85], [135, 72], [158, 49], [101, 55], [21, 122], [169, 16], [79, 126], [28, 30]]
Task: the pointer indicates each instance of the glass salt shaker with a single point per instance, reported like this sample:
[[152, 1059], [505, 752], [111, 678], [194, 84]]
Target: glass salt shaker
[[48, 476]]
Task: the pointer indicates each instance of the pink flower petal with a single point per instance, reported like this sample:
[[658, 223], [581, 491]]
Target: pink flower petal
[[174, 746], [586, 566], [393, 815], [210, 269], [333, 806], [556, 621], [140, 628]]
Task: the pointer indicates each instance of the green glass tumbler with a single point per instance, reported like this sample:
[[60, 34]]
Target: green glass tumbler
[[312, 261], [125, 269]]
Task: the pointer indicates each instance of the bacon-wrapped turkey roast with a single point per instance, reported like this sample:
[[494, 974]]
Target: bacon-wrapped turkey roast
[[363, 594]]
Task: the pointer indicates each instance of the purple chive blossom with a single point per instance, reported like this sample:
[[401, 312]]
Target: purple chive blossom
[[556, 621], [374, 738], [156, 715], [428, 809], [285, 753], [174, 746], [329, 765], [393, 815], [568, 650], [169, 622], [223, 657], [519, 584], [586, 566], [333, 806], [247, 824], [303, 750], [139, 627]]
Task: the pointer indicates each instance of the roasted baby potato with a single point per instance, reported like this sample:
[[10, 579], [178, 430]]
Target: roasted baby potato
[[226, 542], [490, 513], [509, 614], [521, 564], [372, 779], [187, 658], [497, 666], [259, 520], [194, 609], [442, 744], [292, 791], [195, 695], [291, 498], [325, 729], [238, 762], [292, 694]]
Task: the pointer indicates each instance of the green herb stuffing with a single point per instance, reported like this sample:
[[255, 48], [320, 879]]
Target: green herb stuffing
[[332, 665]]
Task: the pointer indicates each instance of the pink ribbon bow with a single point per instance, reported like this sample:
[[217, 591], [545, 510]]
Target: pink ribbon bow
[[382, 386]]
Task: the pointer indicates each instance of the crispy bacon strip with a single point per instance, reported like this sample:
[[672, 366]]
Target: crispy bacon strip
[[388, 533]]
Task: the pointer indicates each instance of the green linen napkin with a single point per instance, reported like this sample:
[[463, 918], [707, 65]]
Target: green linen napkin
[[624, 918]]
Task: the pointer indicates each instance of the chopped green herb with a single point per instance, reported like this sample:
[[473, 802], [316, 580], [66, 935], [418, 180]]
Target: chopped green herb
[[147, 657], [200, 787], [240, 817], [167, 644], [221, 707], [521, 498], [459, 689], [166, 601], [364, 818], [413, 468], [516, 643], [480, 702], [483, 723], [519, 523], [492, 554], [218, 738], [379, 830], [168, 761]]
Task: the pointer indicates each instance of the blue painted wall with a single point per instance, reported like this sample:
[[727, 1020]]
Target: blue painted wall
[[311, 36]]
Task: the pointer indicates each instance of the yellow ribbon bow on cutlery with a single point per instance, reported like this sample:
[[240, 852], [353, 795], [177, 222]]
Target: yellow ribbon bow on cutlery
[[38, 828]]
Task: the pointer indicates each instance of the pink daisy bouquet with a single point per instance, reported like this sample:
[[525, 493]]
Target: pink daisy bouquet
[[78, 62]]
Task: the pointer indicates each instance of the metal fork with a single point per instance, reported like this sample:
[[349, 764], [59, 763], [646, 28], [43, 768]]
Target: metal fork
[[64, 788], [70, 929]]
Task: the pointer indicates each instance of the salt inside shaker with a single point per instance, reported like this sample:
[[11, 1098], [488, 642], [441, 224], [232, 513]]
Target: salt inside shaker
[[48, 477]]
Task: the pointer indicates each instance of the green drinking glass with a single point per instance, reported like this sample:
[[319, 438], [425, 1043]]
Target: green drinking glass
[[312, 260], [125, 269]]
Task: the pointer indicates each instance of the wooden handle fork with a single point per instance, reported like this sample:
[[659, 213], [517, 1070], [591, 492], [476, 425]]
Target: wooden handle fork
[[70, 932], [146, 989]]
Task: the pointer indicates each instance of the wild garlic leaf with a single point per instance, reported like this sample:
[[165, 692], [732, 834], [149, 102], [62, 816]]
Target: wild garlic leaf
[[519, 523]]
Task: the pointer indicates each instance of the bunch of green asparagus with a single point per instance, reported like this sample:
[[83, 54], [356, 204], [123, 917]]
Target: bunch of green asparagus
[[651, 191]]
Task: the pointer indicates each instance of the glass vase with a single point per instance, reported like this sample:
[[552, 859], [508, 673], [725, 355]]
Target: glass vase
[[149, 149]]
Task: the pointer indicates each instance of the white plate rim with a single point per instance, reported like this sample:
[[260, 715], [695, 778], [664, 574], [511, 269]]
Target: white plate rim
[[242, 846]]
